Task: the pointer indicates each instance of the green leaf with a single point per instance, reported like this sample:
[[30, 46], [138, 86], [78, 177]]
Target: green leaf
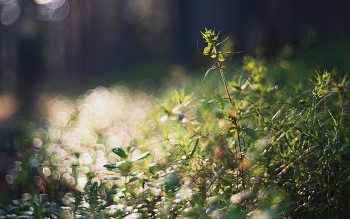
[[117, 165], [228, 179], [124, 167], [290, 184], [140, 157], [221, 171], [152, 168], [222, 41], [199, 48], [110, 166], [135, 148], [133, 179], [34, 215], [194, 148], [238, 73], [212, 208], [297, 172], [111, 178], [11, 209], [199, 200], [178, 97], [216, 37], [281, 147], [207, 50], [225, 52], [207, 74], [267, 167], [334, 120], [251, 134], [329, 147], [221, 58], [120, 152]]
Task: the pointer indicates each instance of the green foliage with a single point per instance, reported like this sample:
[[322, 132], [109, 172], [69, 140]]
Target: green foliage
[[266, 151], [212, 51], [30, 206]]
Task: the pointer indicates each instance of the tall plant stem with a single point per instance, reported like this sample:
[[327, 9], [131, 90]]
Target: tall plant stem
[[190, 118], [337, 148], [224, 80], [236, 158], [240, 151]]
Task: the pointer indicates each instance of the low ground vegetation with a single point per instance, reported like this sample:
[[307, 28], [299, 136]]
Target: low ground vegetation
[[248, 144]]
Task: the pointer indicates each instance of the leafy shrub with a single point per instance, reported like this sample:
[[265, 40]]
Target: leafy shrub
[[251, 150]]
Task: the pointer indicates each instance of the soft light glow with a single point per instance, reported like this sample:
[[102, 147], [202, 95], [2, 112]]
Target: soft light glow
[[82, 180], [8, 106], [134, 11], [9, 179], [86, 158], [163, 118], [54, 4], [85, 111], [37, 180], [91, 127], [41, 2], [46, 171], [10, 13]]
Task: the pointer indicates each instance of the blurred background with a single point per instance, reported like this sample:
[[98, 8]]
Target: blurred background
[[69, 46]]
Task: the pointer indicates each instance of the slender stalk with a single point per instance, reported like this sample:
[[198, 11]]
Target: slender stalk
[[240, 151], [337, 149], [224, 80], [236, 158], [190, 118]]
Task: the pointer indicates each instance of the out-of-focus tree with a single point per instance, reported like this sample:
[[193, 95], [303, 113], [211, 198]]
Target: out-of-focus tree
[[77, 43]]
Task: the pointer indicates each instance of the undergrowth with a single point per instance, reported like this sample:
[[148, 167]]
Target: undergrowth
[[248, 149]]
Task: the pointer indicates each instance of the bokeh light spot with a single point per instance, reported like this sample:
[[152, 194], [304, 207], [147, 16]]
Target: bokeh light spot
[[46, 171], [82, 180], [18, 166], [40, 2], [10, 13], [85, 111], [8, 106], [61, 12], [54, 4], [37, 180], [37, 142], [9, 179], [85, 158], [134, 11]]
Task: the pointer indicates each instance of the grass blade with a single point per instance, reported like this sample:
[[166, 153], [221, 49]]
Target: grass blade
[[207, 74], [140, 157], [120, 152], [221, 171], [238, 73]]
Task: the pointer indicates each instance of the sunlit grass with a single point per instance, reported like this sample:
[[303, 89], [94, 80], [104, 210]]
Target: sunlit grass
[[81, 134], [250, 146]]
